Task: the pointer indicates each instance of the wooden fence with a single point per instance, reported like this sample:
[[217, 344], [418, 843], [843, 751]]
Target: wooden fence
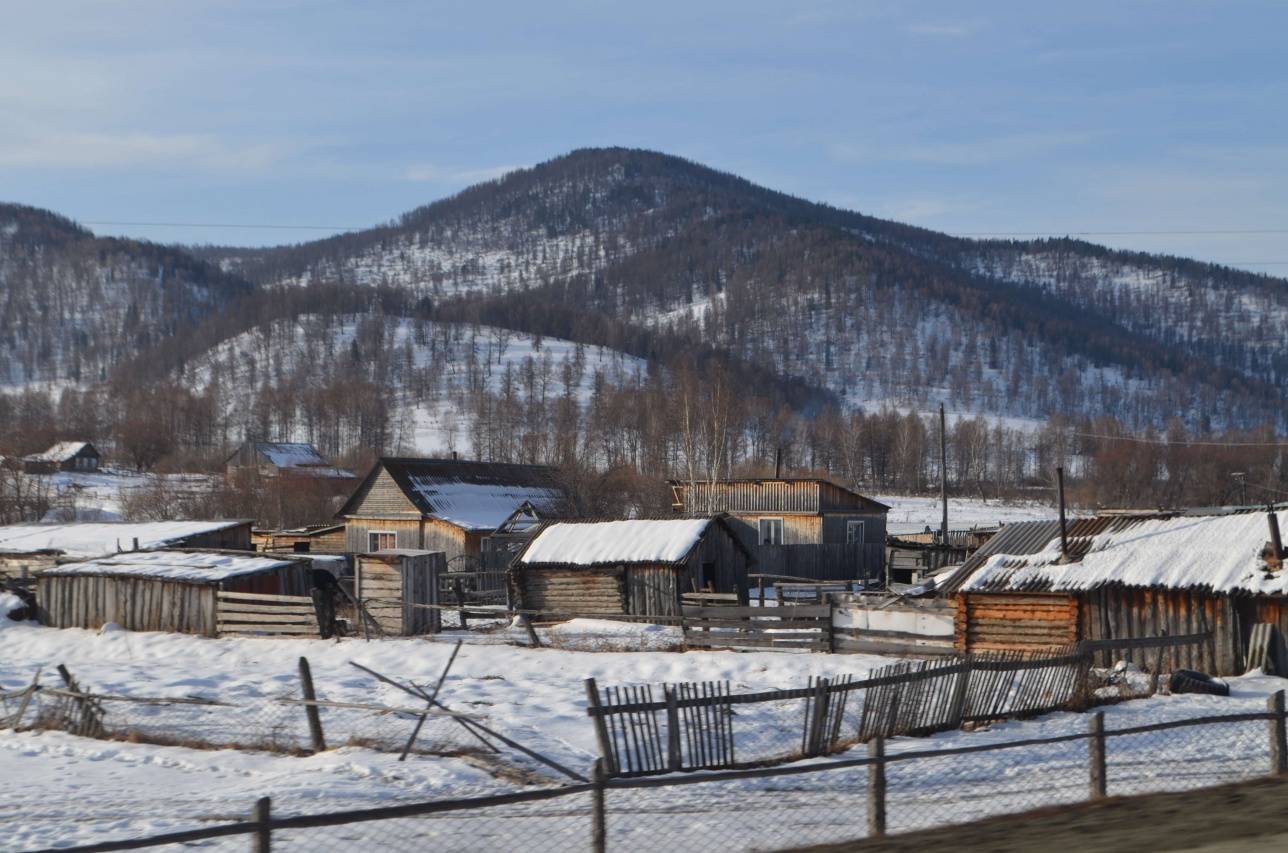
[[806, 627], [694, 726], [248, 614]]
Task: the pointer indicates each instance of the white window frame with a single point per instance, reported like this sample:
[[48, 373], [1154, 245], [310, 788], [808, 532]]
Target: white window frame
[[371, 547], [851, 524], [773, 523]]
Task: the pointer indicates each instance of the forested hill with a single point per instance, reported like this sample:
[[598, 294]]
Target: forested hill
[[614, 244], [73, 305]]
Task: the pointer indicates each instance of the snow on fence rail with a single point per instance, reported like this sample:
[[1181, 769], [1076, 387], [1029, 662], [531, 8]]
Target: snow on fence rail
[[887, 790]]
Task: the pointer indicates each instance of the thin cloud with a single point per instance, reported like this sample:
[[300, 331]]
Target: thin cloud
[[428, 173]]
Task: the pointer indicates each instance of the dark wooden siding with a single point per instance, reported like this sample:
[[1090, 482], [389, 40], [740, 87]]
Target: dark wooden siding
[[995, 621], [739, 497], [1116, 613], [653, 590], [356, 530], [235, 538]]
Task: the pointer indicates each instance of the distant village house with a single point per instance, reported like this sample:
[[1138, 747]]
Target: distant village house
[[63, 456], [279, 458]]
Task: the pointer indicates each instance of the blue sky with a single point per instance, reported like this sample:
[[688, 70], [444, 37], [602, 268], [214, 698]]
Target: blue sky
[[967, 118]]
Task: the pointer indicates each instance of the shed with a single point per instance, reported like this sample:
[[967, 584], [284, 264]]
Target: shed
[[399, 588], [28, 548], [1125, 577], [161, 590], [639, 566], [283, 458], [63, 456], [311, 539], [806, 527], [446, 505]]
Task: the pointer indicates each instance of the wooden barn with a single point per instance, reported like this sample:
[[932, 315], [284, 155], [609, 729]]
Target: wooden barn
[[640, 566], [398, 587], [1123, 577], [808, 528], [445, 505], [281, 459], [26, 549], [63, 456], [162, 590]]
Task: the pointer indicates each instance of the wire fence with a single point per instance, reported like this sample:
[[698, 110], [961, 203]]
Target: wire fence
[[896, 786]]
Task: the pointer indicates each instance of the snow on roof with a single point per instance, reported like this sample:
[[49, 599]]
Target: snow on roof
[[478, 506], [60, 452], [98, 539], [285, 454], [196, 567], [1218, 552], [603, 542]]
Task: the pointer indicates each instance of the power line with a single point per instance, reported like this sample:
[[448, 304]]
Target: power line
[[1187, 443]]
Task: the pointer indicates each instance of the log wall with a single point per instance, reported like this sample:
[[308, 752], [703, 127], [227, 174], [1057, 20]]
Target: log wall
[[1015, 621]]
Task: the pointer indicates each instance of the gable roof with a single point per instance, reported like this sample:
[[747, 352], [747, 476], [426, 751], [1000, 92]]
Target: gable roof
[[98, 539], [470, 495], [1219, 552], [61, 452], [186, 566], [631, 541]]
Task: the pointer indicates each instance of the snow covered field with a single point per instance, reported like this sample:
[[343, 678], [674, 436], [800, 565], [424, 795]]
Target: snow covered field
[[913, 514], [59, 789]]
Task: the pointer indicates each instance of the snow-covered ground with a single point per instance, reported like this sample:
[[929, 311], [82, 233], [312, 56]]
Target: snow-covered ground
[[912, 514], [102, 495], [59, 789]]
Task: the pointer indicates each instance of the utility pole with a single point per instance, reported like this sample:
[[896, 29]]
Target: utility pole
[[943, 475], [1242, 479], [1064, 536]]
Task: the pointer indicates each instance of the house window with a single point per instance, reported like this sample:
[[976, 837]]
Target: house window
[[853, 533], [381, 540], [771, 531]]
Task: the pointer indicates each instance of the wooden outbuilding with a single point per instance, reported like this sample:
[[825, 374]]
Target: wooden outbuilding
[[313, 539], [805, 527], [1123, 577], [399, 588], [445, 505], [26, 549], [639, 566], [162, 590], [63, 456], [282, 459]]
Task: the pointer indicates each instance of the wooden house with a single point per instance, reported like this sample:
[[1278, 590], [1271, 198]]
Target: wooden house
[[26, 549], [807, 528], [639, 566], [1123, 577], [63, 456], [312, 539], [162, 590], [284, 459], [399, 587], [445, 505]]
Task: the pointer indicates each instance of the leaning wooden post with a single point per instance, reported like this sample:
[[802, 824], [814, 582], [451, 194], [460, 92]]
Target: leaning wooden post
[[818, 718], [1278, 735], [1096, 755], [262, 839], [601, 726], [598, 812], [311, 710], [876, 787]]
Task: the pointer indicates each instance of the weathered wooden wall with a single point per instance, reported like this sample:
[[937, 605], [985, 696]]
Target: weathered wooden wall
[[997, 621], [392, 585], [653, 590], [139, 604], [913, 627], [820, 562], [25, 565], [234, 538], [1117, 613], [574, 590], [356, 530]]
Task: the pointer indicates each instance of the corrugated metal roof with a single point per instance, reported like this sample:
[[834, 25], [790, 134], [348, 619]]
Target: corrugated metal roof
[[1022, 537]]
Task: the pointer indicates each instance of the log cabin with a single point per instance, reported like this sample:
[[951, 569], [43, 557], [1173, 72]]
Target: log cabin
[[445, 505], [63, 456], [637, 566], [1123, 577], [805, 527]]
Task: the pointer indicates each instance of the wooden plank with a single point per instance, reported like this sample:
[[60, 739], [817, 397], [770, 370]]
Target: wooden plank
[[225, 595], [267, 608], [267, 628], [796, 611]]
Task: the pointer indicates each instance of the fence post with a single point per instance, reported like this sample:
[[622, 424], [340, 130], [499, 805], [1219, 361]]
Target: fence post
[[598, 812], [831, 624], [460, 602], [1096, 755], [876, 787], [311, 711], [595, 709], [818, 719], [262, 840], [673, 756], [1278, 735]]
